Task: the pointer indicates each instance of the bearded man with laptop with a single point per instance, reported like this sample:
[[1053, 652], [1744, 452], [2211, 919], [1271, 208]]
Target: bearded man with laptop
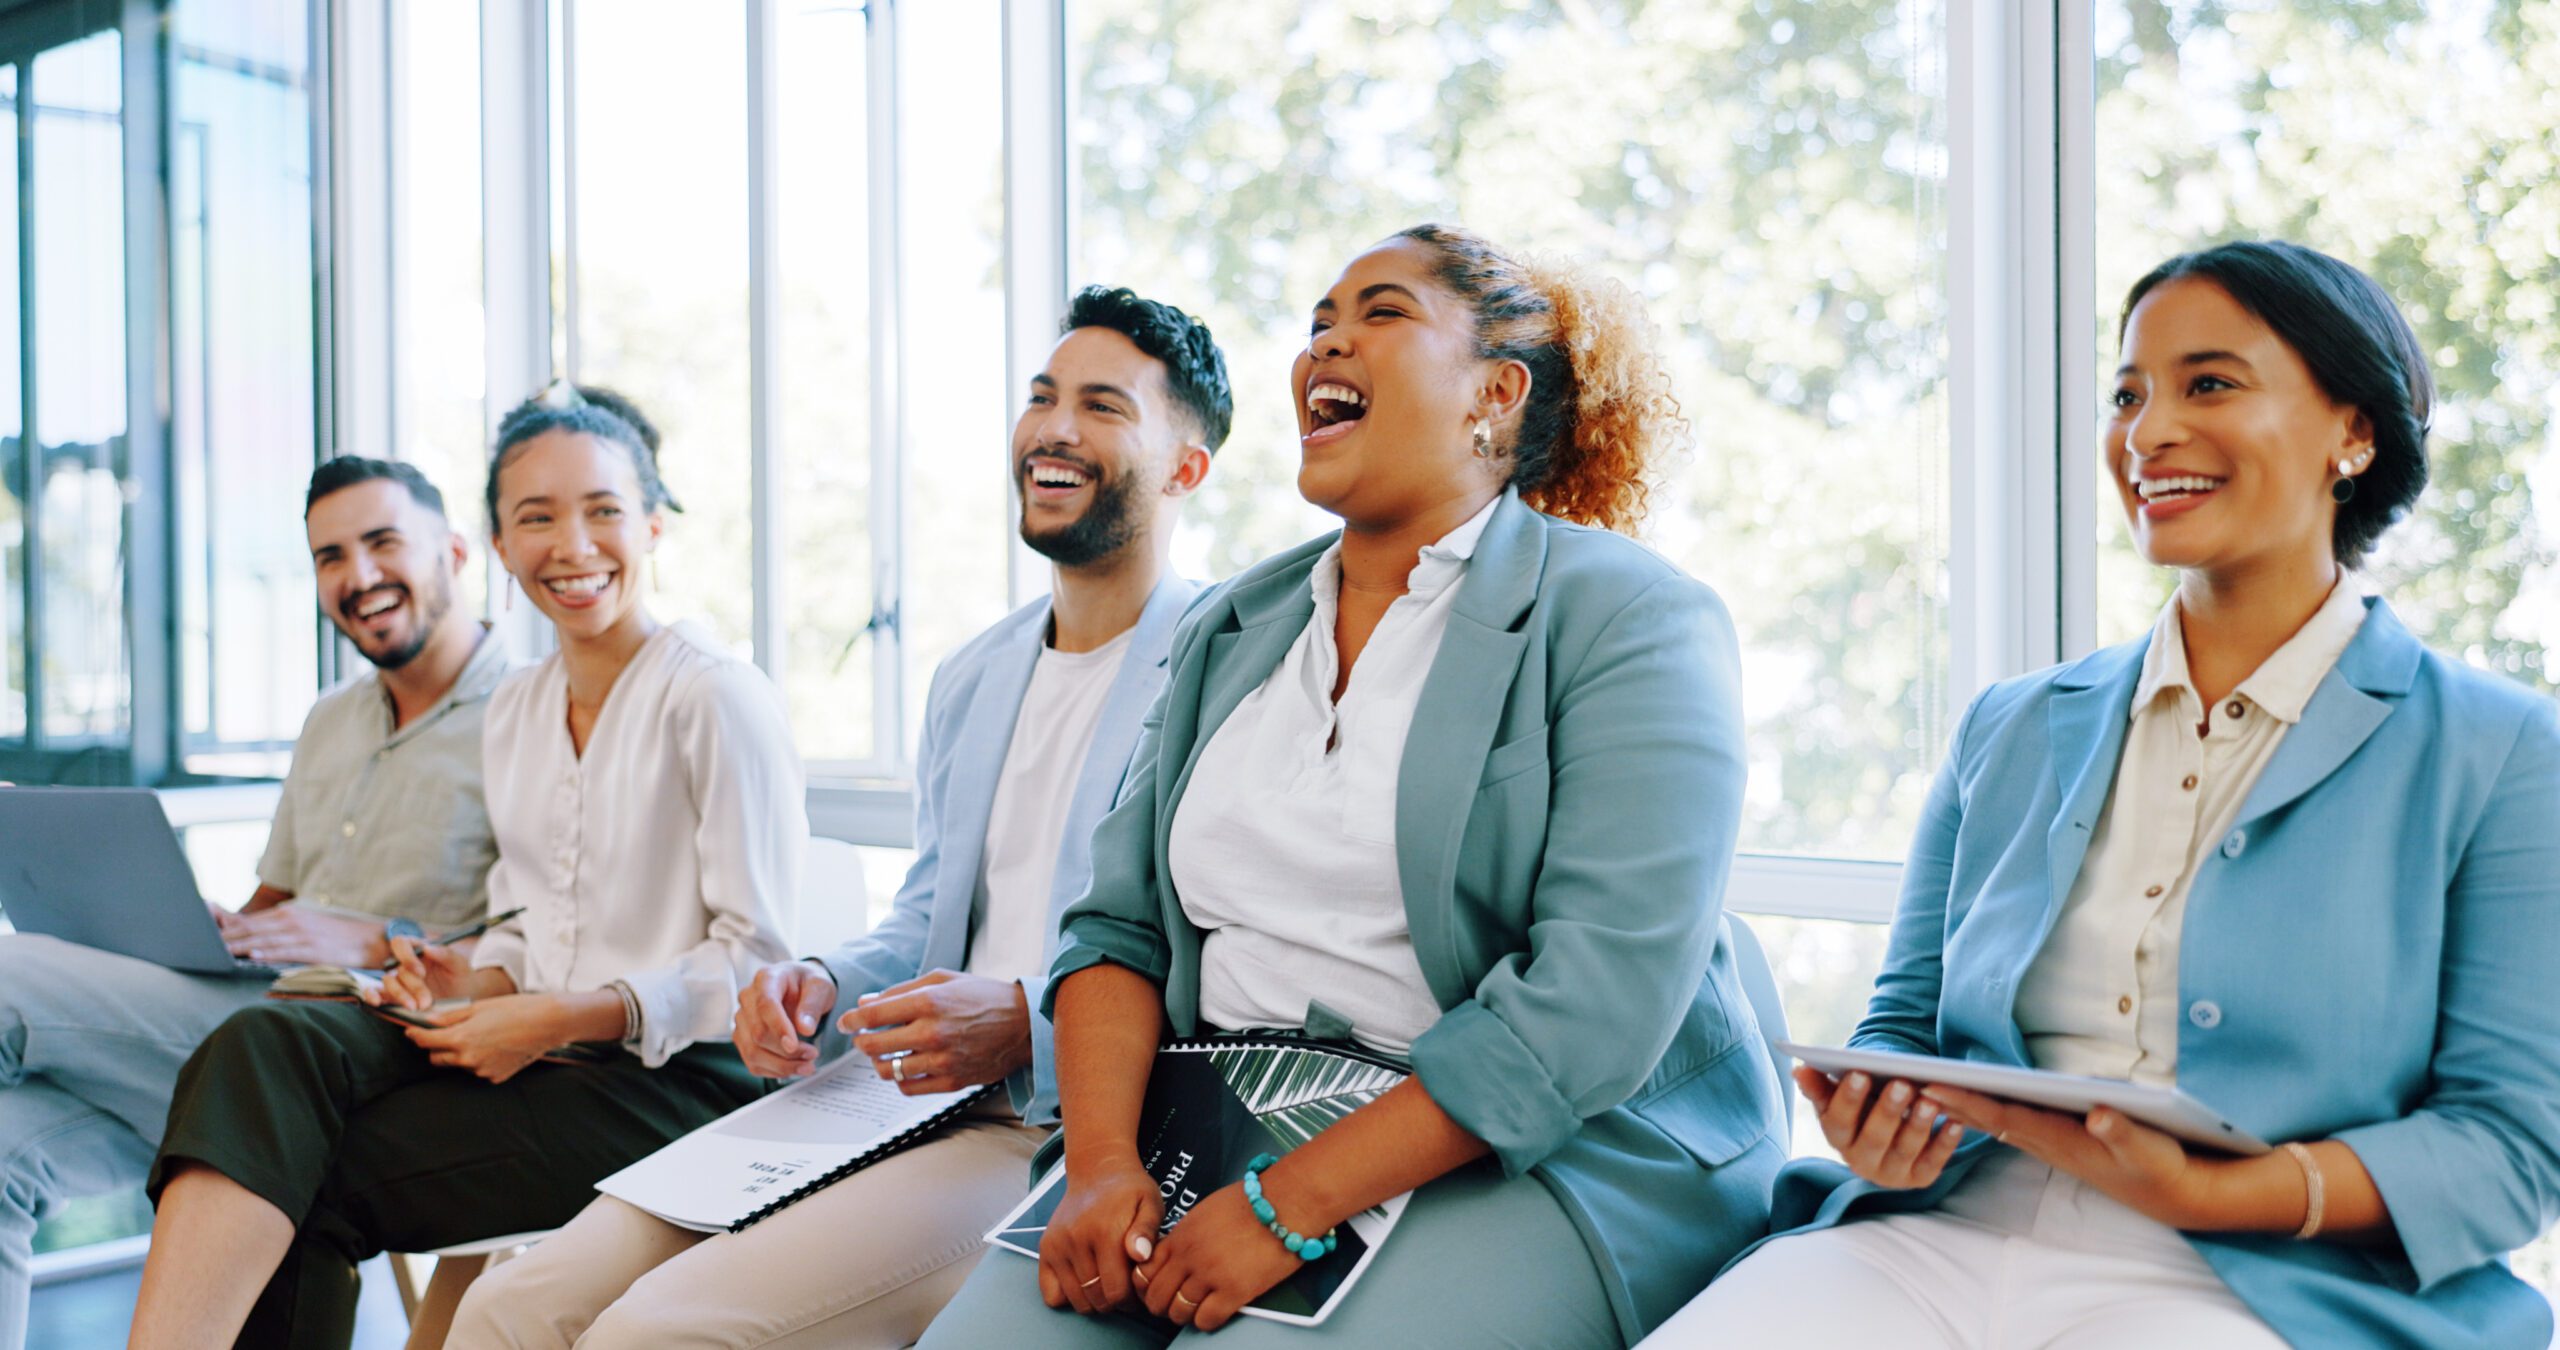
[[381, 818]]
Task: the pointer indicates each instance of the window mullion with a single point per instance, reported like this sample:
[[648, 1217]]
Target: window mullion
[[764, 339], [2075, 359], [2003, 350], [1035, 220], [888, 391]]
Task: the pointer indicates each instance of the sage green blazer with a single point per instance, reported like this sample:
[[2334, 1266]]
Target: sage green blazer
[[1565, 819]]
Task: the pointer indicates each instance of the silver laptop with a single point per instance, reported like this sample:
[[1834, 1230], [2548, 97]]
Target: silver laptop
[[102, 867]]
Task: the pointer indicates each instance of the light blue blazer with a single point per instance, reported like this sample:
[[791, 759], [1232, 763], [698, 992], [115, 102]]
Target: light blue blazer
[[2372, 955], [1565, 817], [968, 728]]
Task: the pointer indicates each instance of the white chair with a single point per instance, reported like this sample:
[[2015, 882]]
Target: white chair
[[430, 1309], [833, 908]]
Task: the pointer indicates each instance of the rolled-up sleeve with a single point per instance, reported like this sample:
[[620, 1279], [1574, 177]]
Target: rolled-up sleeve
[[2474, 1172], [1646, 764], [753, 825]]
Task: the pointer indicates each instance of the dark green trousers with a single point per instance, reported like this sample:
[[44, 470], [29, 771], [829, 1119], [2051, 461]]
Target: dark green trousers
[[329, 1113]]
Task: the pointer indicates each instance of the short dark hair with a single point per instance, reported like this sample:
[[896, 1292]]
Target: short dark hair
[[596, 411], [2360, 351], [345, 471], [1194, 369]]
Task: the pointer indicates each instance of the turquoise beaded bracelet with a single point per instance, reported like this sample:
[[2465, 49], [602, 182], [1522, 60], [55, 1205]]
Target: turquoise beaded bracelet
[[1300, 1245]]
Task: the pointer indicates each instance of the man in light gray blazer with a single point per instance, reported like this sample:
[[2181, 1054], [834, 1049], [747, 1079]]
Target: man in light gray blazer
[[1028, 731]]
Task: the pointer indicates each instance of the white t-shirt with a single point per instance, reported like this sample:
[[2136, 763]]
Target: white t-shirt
[[1009, 921], [1283, 846]]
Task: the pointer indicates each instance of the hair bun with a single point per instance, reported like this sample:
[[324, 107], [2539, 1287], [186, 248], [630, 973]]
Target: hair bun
[[620, 405]]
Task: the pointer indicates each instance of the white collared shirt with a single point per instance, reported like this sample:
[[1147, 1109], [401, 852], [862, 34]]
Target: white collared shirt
[[1283, 846], [667, 856], [2101, 998], [1052, 733]]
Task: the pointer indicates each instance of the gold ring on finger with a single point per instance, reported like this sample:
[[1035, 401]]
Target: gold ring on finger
[[1090, 1283], [1178, 1298]]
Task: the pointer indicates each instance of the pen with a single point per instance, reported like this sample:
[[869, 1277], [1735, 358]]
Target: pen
[[458, 935]]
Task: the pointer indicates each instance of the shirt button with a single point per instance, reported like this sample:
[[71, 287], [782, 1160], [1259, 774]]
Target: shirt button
[[348, 829], [2188, 782], [2233, 709], [2152, 893], [2125, 1004], [2205, 1013], [2239, 840]]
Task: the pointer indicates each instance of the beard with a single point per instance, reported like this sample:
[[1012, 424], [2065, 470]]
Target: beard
[[427, 614], [1109, 522]]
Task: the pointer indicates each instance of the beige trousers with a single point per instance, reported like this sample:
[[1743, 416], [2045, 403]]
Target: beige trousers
[[865, 1262]]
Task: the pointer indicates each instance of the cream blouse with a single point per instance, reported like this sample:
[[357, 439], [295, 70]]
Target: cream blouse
[[667, 856], [2101, 998]]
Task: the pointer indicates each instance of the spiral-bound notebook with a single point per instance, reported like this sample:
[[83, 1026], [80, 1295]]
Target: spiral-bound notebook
[[791, 1144]]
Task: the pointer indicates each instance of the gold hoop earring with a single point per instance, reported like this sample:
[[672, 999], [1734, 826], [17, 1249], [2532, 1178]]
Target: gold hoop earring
[[1482, 432]]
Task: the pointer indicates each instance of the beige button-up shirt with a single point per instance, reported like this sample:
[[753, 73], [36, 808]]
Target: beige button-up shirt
[[383, 822], [2101, 998]]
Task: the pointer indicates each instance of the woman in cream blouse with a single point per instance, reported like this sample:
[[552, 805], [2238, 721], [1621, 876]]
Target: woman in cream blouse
[[2278, 855], [650, 819], [1459, 784]]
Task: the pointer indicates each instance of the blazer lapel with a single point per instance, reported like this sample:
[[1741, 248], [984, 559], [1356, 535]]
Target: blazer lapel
[[2351, 703], [1454, 722], [976, 764], [2086, 724], [1265, 616], [1115, 737]]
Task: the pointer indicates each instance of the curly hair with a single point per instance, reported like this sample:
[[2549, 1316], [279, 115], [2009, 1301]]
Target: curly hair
[[2359, 349], [1195, 371], [1601, 418], [603, 413]]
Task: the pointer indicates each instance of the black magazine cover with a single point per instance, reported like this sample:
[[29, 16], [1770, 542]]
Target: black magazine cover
[[1211, 1105]]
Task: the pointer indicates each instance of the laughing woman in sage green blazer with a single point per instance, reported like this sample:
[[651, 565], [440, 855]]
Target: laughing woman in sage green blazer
[[1460, 783]]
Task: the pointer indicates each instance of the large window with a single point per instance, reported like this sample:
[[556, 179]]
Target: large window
[[159, 382], [796, 269]]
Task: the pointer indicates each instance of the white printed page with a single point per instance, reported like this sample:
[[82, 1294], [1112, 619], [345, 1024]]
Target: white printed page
[[716, 1176]]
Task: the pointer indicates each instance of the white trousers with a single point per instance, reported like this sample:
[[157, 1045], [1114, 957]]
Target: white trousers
[[2017, 1257], [865, 1262]]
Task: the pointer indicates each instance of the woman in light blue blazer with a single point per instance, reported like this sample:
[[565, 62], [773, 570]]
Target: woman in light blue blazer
[[1516, 890], [2279, 856]]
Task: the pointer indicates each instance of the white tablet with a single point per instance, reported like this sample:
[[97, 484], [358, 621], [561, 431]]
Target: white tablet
[[2160, 1108]]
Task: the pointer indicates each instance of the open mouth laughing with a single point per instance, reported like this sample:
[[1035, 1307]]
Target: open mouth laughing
[[374, 610], [1050, 479], [1334, 409]]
